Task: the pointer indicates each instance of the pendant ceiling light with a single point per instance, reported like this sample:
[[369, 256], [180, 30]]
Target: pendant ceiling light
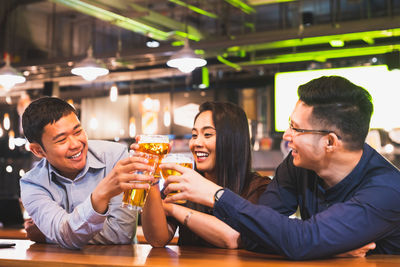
[[10, 76], [186, 60], [88, 68]]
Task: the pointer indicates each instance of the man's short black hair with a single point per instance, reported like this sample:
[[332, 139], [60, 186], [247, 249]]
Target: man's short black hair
[[41, 112], [339, 105]]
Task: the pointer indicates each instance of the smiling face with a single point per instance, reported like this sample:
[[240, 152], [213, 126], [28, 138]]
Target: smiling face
[[203, 144], [65, 146], [307, 148]]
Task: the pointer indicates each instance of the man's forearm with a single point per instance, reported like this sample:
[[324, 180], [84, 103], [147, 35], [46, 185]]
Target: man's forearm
[[119, 226], [70, 230], [341, 228]]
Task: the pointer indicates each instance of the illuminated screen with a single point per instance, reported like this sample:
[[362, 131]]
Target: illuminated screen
[[382, 84]]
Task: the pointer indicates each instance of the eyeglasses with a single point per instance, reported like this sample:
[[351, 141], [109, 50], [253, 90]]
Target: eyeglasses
[[298, 130]]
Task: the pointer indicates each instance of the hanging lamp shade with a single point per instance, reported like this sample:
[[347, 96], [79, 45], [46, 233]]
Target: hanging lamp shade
[[186, 60], [10, 76], [89, 68]]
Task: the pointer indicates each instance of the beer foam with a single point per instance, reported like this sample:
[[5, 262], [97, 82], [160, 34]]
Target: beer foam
[[176, 158], [153, 139]]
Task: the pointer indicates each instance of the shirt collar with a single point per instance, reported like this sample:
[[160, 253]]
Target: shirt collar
[[92, 162], [355, 176]]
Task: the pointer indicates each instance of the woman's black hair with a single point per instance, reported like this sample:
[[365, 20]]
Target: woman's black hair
[[233, 147]]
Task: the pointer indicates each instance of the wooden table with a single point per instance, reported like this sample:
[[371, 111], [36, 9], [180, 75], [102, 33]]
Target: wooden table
[[12, 233], [28, 253], [142, 240]]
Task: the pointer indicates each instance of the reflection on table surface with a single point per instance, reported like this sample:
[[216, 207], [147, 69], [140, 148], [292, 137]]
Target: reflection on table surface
[[15, 233], [28, 253], [12, 233]]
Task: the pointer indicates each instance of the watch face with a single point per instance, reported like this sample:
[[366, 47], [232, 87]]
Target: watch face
[[218, 194]]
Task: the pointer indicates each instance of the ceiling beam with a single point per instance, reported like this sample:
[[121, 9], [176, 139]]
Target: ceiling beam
[[174, 26], [267, 2], [242, 6], [131, 24], [195, 9], [322, 55], [113, 76], [272, 48], [318, 34]]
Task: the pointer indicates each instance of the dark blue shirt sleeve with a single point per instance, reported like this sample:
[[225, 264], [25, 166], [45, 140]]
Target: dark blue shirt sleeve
[[342, 227], [281, 194]]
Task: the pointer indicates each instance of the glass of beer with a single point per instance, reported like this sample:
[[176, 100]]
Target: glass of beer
[[134, 199], [185, 160], [156, 145]]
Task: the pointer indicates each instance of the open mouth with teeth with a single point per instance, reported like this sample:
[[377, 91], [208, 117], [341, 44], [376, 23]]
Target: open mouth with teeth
[[76, 155], [292, 148], [201, 156]]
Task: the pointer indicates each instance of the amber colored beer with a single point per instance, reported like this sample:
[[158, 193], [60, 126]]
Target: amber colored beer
[[166, 172], [160, 149], [180, 159], [135, 199]]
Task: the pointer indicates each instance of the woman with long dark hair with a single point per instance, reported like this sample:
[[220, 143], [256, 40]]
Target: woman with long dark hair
[[221, 148]]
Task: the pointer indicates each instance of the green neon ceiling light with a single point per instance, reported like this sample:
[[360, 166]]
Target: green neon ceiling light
[[267, 2], [199, 51], [368, 40], [228, 63], [159, 19], [322, 56], [178, 43], [241, 5], [205, 82], [187, 35], [336, 43], [115, 19], [195, 9], [367, 36]]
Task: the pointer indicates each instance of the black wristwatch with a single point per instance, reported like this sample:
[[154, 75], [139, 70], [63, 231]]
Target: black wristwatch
[[218, 194]]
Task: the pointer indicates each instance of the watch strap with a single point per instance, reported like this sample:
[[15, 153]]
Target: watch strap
[[218, 194]]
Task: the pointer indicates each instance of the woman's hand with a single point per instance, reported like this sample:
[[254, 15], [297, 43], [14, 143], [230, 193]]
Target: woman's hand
[[190, 185]]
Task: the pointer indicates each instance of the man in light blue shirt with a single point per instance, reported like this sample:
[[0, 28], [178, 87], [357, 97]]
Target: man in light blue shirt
[[74, 193]]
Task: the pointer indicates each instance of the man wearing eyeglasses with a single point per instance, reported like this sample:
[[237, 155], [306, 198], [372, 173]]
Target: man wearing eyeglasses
[[348, 195]]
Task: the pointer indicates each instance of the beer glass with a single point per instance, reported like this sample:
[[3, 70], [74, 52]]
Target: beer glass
[[154, 144], [134, 199], [185, 160]]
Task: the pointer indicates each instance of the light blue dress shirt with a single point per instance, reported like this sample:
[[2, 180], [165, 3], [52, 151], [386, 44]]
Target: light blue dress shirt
[[62, 208]]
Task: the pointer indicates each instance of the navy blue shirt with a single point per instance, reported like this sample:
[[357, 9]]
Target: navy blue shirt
[[364, 207]]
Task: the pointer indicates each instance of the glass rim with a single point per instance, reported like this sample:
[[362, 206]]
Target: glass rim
[[153, 138], [177, 158]]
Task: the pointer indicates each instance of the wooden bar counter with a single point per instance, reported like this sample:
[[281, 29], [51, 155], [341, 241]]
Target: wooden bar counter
[[12, 233], [28, 253]]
